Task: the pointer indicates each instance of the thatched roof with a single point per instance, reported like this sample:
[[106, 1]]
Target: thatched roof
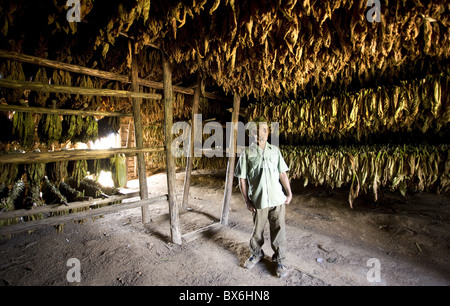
[[251, 47]]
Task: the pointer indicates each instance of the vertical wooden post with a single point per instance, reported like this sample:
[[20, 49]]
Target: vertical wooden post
[[170, 160], [231, 163], [139, 137], [187, 176]]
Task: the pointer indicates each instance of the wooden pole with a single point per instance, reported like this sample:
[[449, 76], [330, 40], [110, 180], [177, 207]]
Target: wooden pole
[[187, 177], [60, 111], [36, 86], [48, 157], [170, 160], [231, 163], [143, 189]]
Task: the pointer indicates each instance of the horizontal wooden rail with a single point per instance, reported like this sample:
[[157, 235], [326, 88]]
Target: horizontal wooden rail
[[35, 86], [59, 207], [60, 111], [63, 66], [47, 157], [37, 224], [99, 73]]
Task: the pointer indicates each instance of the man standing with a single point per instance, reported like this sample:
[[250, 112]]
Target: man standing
[[260, 170]]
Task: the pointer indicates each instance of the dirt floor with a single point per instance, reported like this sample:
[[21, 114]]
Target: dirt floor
[[328, 243]]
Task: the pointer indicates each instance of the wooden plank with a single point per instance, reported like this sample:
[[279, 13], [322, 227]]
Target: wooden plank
[[187, 177], [46, 157], [231, 163], [58, 207], [170, 160], [35, 86], [63, 66], [60, 111], [139, 139], [191, 236], [99, 73], [37, 224]]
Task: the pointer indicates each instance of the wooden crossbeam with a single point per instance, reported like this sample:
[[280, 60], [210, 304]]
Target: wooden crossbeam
[[35, 86], [59, 111], [46, 157], [38, 224]]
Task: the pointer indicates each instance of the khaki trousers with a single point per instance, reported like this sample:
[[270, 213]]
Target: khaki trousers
[[276, 217]]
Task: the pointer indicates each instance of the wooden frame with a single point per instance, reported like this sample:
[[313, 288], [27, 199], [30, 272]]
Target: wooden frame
[[33, 225], [45, 157], [136, 97]]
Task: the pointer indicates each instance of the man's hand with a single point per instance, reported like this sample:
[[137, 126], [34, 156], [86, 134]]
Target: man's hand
[[288, 199], [250, 206], [284, 179]]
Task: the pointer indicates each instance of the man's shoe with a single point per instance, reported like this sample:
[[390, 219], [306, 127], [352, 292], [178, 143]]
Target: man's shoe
[[282, 270], [252, 261]]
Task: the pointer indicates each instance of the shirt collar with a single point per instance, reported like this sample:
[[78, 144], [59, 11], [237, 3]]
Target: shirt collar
[[254, 146]]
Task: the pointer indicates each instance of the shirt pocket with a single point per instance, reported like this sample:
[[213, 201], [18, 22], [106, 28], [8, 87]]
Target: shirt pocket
[[272, 163], [253, 166]]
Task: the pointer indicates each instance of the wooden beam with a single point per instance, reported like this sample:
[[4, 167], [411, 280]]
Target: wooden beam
[[63, 66], [139, 139], [44, 110], [46, 157], [37, 224], [191, 236], [58, 207], [35, 86], [231, 163], [170, 160], [99, 73], [187, 176]]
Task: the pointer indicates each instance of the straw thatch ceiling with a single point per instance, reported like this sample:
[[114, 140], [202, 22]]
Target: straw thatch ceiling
[[252, 48]]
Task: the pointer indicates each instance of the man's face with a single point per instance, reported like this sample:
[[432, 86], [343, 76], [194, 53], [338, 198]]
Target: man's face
[[263, 132]]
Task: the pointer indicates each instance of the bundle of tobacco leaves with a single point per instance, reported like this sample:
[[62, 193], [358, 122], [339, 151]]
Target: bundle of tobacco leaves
[[33, 198], [91, 188], [23, 129], [15, 197], [77, 171], [12, 70], [35, 173], [51, 194], [70, 193], [89, 131], [39, 98], [9, 173], [49, 129], [61, 77], [56, 171]]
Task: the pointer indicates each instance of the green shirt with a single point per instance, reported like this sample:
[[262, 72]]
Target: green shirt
[[262, 168]]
